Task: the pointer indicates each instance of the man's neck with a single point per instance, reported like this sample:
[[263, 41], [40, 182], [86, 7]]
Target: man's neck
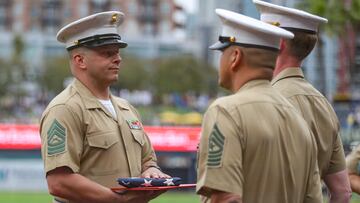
[[99, 90], [250, 74], [284, 62]]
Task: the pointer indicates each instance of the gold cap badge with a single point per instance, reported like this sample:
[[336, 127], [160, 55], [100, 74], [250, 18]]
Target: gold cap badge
[[277, 24], [114, 18]]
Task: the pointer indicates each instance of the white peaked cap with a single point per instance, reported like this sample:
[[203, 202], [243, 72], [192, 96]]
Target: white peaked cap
[[95, 30], [241, 30], [288, 18]]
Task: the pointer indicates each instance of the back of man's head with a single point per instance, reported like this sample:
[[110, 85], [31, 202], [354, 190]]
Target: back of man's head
[[260, 58], [258, 40], [301, 45], [303, 25]]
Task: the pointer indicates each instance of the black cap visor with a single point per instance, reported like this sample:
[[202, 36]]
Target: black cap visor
[[100, 40], [98, 43], [225, 42], [220, 46]]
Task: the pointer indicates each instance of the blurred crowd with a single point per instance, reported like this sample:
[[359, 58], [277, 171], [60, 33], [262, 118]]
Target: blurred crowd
[[28, 109], [188, 100]]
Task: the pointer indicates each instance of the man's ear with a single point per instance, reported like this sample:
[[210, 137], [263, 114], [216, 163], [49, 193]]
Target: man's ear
[[236, 58], [282, 45], [79, 60]]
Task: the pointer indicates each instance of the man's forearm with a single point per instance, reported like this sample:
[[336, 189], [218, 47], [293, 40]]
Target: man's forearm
[[225, 197], [339, 187], [62, 182], [77, 188]]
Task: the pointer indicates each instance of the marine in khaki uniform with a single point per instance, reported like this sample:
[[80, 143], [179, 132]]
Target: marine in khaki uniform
[[90, 137], [353, 167], [254, 147], [313, 106]]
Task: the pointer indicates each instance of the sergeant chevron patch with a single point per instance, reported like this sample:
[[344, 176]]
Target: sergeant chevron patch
[[216, 147], [56, 139]]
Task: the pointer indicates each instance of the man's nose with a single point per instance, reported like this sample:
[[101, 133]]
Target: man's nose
[[117, 59]]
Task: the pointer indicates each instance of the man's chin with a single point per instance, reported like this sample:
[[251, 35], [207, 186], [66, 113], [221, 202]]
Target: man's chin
[[113, 80], [223, 85]]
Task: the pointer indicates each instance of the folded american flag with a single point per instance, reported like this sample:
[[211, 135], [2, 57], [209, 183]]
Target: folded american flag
[[149, 182]]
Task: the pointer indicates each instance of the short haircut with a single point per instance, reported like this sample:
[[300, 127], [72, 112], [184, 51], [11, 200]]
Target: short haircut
[[301, 45], [262, 58], [76, 51], [71, 53]]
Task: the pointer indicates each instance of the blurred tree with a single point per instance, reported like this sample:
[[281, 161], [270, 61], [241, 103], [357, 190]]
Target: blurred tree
[[182, 74], [344, 21], [5, 78], [354, 8], [56, 72], [17, 56], [334, 11], [133, 75], [18, 74], [353, 39]]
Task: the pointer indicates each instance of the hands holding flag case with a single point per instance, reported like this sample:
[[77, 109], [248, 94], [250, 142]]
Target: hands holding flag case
[[149, 182]]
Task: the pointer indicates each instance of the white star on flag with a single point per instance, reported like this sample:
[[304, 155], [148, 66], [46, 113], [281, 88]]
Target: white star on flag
[[146, 183], [126, 183], [169, 182]]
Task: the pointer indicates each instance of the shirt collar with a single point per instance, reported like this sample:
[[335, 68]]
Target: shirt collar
[[288, 72], [120, 104], [253, 83], [90, 101]]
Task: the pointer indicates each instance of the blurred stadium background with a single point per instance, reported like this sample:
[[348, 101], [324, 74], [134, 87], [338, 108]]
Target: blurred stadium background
[[167, 73]]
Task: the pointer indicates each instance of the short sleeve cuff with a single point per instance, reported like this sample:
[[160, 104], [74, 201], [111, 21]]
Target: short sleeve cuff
[[73, 167], [207, 187]]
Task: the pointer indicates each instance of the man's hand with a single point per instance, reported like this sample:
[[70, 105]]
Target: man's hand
[[153, 172]]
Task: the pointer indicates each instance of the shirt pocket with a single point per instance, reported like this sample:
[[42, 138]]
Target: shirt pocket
[[103, 140], [101, 153], [138, 136]]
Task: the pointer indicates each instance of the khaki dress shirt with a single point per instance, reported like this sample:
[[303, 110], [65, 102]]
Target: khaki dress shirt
[[256, 145], [78, 132], [318, 114]]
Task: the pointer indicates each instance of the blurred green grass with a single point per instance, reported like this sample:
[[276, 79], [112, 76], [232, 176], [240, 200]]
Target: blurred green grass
[[22, 197], [28, 197], [177, 197], [173, 197]]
